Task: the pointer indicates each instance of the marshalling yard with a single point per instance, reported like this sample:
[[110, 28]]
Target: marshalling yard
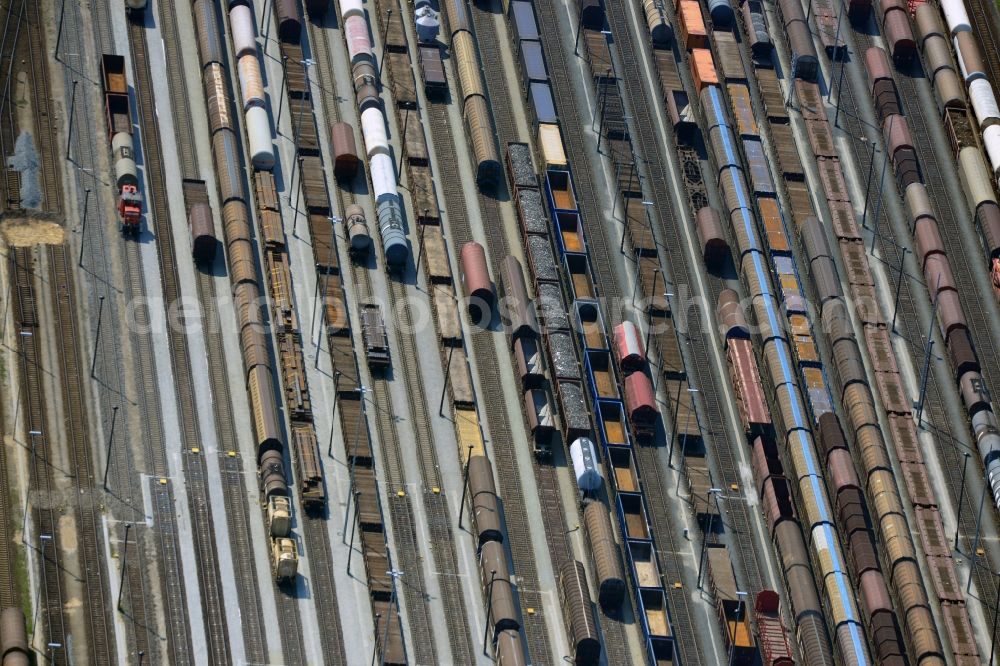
[[470, 331]]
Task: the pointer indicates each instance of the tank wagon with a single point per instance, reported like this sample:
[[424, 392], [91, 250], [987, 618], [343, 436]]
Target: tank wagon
[[118, 111], [660, 29], [478, 285], [389, 210], [14, 649], [493, 566], [251, 86]]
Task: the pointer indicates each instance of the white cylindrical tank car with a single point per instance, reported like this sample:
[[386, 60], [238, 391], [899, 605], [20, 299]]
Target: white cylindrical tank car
[[583, 453], [251, 82], [259, 138], [241, 22], [357, 228], [124, 158]]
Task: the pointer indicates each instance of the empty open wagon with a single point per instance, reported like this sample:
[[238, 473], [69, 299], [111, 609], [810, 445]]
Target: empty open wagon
[[590, 326], [633, 512], [570, 231], [560, 187], [579, 273], [602, 375], [623, 468], [611, 419]]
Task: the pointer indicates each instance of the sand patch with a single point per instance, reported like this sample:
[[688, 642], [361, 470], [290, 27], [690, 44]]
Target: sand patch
[[26, 230], [67, 533]]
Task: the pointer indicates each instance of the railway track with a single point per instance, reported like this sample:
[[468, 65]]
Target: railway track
[[986, 27], [21, 36], [193, 461], [101, 640], [22, 41], [237, 510], [103, 264], [433, 496], [950, 445], [488, 370], [400, 503], [43, 516]]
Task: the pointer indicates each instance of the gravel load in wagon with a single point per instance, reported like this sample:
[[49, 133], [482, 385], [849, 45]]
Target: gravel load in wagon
[[542, 262], [574, 408], [563, 353], [522, 171], [550, 306], [533, 219]]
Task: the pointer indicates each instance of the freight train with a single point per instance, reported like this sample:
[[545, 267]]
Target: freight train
[[930, 248], [389, 207], [247, 296], [118, 112], [931, 252], [794, 428], [958, 121], [971, 66], [475, 110], [522, 323], [813, 394], [921, 637], [623, 406]]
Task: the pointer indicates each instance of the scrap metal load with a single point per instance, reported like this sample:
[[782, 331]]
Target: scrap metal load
[[119, 116]]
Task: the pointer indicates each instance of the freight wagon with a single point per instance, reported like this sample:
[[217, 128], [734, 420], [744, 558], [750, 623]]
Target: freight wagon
[[374, 335], [574, 597], [435, 81], [732, 606], [774, 645]]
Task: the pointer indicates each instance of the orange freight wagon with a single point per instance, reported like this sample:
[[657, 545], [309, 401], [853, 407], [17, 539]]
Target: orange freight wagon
[[703, 69]]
